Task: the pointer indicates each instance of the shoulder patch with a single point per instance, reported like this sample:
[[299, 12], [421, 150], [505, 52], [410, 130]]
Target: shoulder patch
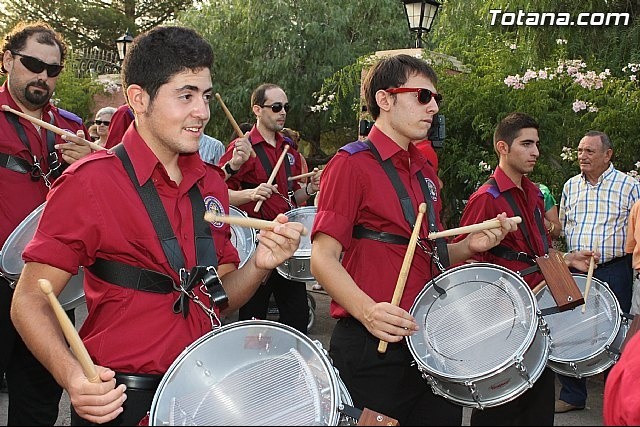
[[355, 147], [70, 116]]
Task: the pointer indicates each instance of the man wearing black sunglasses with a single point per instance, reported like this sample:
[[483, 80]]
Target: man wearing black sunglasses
[[248, 186], [30, 159]]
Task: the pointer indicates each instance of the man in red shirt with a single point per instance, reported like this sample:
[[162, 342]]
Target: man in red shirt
[[360, 215], [145, 247], [516, 142], [248, 186], [621, 404], [31, 158]]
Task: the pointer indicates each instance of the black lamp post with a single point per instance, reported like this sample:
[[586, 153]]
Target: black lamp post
[[420, 16], [122, 43]]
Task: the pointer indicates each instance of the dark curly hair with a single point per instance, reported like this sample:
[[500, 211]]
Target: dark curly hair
[[17, 38]]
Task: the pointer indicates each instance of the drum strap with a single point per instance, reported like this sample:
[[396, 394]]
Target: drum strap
[[15, 163], [361, 232], [266, 164], [151, 281], [55, 166], [407, 206]]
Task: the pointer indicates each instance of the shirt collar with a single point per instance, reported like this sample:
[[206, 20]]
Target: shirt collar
[[602, 177], [255, 137], [145, 161], [387, 148]]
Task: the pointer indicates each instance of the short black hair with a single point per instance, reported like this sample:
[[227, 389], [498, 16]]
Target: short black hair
[[509, 127], [16, 39], [162, 52], [258, 96], [393, 71]]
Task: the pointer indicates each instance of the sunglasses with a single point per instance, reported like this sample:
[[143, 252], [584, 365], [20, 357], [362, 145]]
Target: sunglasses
[[37, 66], [424, 95], [102, 122], [94, 137], [276, 107]]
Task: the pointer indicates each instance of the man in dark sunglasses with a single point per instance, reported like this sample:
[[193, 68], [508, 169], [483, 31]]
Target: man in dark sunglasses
[[249, 187], [31, 158]]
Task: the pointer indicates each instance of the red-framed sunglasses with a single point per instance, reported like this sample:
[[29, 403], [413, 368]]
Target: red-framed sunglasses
[[424, 95]]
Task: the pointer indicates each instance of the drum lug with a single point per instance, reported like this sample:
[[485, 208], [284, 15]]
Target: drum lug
[[473, 390], [544, 327], [574, 368], [522, 370]]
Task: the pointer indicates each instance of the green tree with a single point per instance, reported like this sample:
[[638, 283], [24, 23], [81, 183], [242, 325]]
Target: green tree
[[296, 44], [98, 23]]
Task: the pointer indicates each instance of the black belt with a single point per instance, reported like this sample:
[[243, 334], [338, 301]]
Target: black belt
[[149, 382], [128, 276], [16, 164], [360, 232], [613, 261]]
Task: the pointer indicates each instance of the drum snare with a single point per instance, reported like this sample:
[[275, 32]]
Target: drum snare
[[243, 238], [298, 267], [482, 342]]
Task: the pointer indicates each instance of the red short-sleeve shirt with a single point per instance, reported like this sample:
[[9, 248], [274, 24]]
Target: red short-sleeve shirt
[[93, 211], [355, 190]]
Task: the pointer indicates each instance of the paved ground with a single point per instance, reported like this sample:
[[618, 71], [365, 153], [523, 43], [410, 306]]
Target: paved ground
[[321, 330]]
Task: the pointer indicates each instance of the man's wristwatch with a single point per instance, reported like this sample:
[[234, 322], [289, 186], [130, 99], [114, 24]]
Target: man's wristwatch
[[227, 169]]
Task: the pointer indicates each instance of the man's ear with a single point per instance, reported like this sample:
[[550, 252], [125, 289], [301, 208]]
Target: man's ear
[[502, 147], [138, 99], [383, 99]]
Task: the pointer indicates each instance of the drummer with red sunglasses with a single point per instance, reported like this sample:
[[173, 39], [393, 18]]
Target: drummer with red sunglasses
[[31, 158], [371, 191]]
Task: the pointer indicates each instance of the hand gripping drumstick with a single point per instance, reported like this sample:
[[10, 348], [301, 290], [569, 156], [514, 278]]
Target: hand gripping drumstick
[[485, 225], [406, 264], [274, 172], [50, 127], [70, 333], [249, 222], [234, 124]]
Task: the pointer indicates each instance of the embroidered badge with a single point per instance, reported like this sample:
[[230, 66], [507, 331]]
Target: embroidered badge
[[432, 189], [213, 205], [291, 158]]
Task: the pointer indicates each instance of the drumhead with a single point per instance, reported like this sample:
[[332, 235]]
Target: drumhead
[[11, 261], [486, 317], [252, 372], [242, 238], [577, 336]]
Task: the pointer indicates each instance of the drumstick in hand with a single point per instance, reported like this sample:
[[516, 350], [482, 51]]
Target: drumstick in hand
[[587, 287], [70, 333], [274, 172], [304, 175], [50, 127], [233, 122], [259, 224], [406, 264], [485, 225]]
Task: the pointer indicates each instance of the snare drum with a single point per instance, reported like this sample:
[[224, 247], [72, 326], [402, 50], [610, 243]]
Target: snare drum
[[242, 238], [298, 267], [481, 342], [251, 372], [585, 344], [11, 261]]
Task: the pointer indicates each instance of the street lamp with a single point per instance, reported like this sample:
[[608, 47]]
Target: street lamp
[[125, 40], [420, 16]]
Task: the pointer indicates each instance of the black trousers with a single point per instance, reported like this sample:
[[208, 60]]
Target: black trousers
[[291, 299], [388, 383], [535, 407], [34, 395]]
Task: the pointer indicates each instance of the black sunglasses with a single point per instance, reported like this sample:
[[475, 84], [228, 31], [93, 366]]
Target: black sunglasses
[[424, 95], [102, 122], [94, 137], [37, 66], [276, 107]]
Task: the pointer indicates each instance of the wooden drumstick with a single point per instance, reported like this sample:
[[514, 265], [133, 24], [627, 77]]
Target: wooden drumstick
[[540, 286], [406, 264], [247, 222], [274, 172], [70, 333], [304, 175], [233, 122], [587, 287], [50, 127], [485, 225]]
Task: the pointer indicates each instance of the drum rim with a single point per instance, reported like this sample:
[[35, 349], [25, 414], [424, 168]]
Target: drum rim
[[252, 231], [524, 346], [15, 234], [610, 340], [330, 370]]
